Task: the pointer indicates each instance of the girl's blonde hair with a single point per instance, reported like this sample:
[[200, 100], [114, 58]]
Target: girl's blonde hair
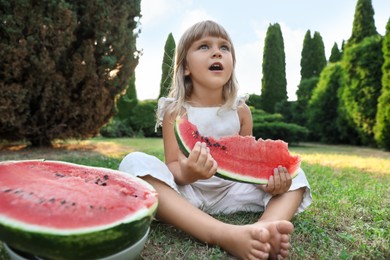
[[182, 86]]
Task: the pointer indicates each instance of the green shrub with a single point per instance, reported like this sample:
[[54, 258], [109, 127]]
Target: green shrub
[[290, 133], [361, 89], [254, 101], [260, 116], [143, 120], [117, 128], [273, 126], [140, 123]]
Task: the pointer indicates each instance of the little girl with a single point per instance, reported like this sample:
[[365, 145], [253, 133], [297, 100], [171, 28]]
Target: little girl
[[205, 91]]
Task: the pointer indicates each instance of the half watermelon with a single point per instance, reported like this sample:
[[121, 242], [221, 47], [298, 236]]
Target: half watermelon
[[239, 158], [60, 210]]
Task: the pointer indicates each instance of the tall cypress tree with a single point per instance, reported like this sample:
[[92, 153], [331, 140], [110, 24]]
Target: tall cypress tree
[[273, 83], [318, 62], [306, 54], [362, 61], [167, 66], [313, 58], [382, 127], [363, 22], [335, 54], [313, 61]]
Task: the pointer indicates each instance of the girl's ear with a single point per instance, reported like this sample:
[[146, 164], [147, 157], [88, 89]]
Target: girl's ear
[[186, 71]]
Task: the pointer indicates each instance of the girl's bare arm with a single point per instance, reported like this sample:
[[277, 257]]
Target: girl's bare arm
[[198, 165]]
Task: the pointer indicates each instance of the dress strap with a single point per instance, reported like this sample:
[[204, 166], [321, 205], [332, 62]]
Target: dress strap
[[162, 105], [241, 100]]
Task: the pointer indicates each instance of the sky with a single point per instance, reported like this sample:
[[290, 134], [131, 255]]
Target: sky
[[247, 22]]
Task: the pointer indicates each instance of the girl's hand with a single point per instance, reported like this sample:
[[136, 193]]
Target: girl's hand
[[279, 183], [199, 164]]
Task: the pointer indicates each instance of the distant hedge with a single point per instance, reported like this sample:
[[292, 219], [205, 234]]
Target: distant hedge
[[274, 126], [290, 133]]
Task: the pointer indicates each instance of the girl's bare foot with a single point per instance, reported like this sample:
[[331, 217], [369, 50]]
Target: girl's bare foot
[[261, 240], [279, 238], [245, 242]]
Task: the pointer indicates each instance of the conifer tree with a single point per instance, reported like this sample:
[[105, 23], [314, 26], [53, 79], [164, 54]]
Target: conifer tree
[[318, 54], [306, 54], [313, 58], [382, 127], [273, 83], [167, 66], [62, 65], [335, 54], [313, 61], [363, 22], [362, 61]]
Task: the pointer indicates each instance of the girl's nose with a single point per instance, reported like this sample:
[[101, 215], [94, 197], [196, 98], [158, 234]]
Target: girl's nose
[[217, 54]]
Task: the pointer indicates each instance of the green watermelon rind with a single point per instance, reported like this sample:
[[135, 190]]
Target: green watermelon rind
[[246, 179], [185, 149], [81, 243], [91, 245], [224, 174]]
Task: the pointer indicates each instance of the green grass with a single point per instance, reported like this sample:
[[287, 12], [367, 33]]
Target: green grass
[[348, 219]]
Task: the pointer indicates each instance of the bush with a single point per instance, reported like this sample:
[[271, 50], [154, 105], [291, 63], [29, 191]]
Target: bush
[[271, 126], [117, 128], [322, 113], [290, 133], [361, 89], [254, 101], [260, 116], [143, 120]]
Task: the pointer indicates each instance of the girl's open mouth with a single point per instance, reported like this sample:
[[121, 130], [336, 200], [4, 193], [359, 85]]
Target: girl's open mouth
[[216, 66]]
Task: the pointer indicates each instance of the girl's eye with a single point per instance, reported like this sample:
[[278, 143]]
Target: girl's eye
[[203, 47], [225, 48]]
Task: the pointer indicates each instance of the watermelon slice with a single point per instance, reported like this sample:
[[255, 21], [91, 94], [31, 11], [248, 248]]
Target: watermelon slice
[[61, 210], [239, 158]]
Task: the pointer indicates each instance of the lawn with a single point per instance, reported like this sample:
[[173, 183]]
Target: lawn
[[348, 219]]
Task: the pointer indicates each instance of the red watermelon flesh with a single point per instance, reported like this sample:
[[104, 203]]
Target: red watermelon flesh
[[240, 158], [64, 197]]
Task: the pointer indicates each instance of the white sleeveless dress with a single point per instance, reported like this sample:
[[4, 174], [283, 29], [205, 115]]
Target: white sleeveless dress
[[214, 195]]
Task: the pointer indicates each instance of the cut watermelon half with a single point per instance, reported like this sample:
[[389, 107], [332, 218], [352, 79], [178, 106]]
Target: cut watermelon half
[[60, 210], [240, 158]]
